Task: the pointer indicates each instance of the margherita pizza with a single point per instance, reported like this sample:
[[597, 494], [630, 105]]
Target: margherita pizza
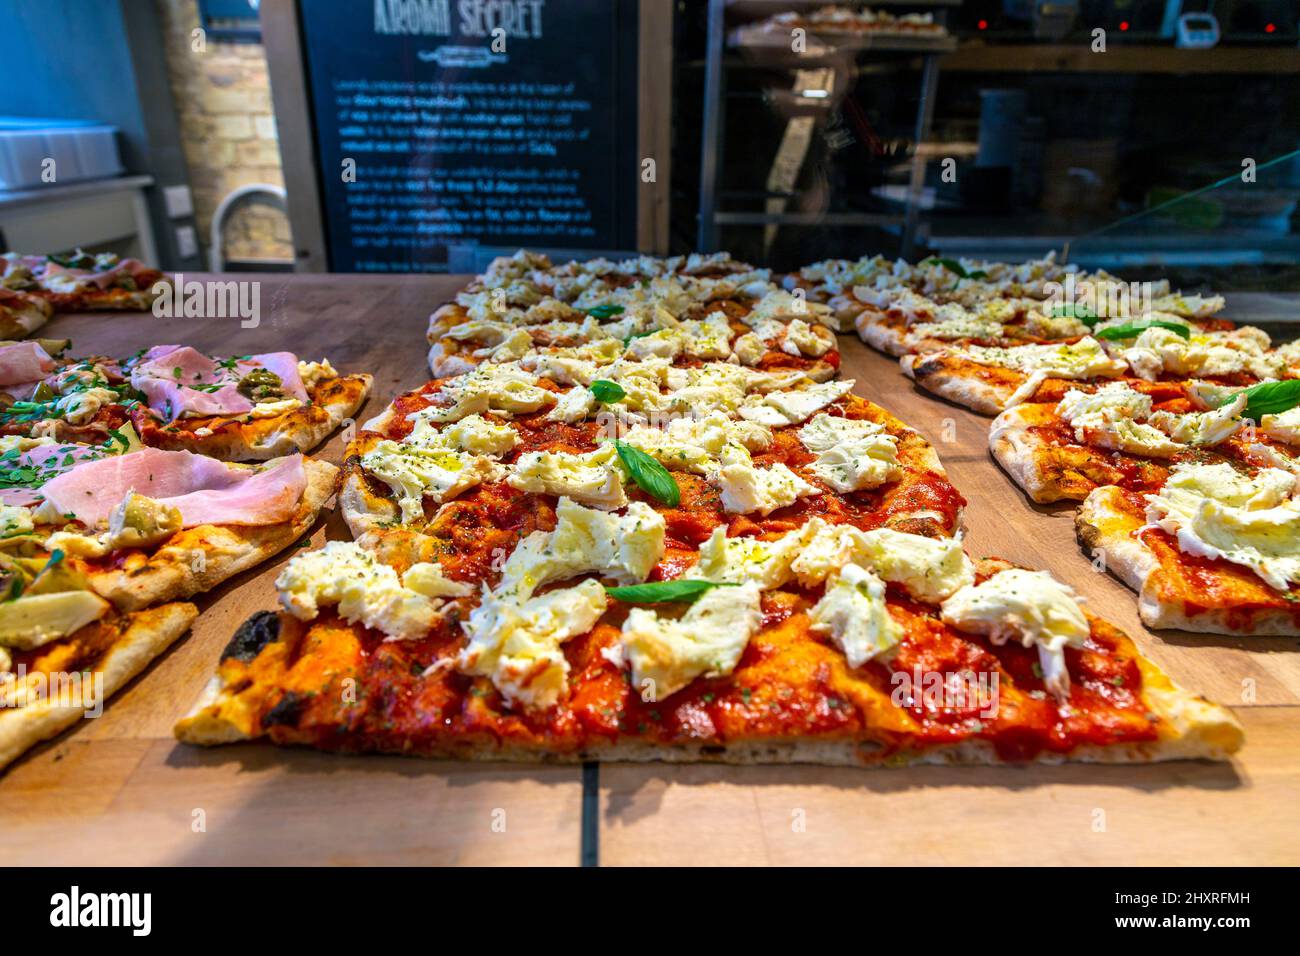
[[584, 551]]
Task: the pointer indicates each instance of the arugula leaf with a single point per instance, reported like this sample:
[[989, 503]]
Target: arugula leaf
[[606, 311], [1133, 329], [650, 476], [607, 391], [1268, 398], [656, 592]]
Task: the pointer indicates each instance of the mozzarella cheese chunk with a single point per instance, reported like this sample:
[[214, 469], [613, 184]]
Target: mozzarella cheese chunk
[[503, 388], [274, 409], [313, 373], [1083, 359], [1112, 401], [853, 612], [624, 547], [800, 339], [1214, 511], [749, 349], [1030, 607], [707, 641], [575, 405], [414, 472], [851, 455], [366, 591], [795, 406], [77, 408], [594, 478], [1203, 428], [519, 645], [750, 560], [478, 436], [930, 569], [1284, 426], [747, 488], [695, 444]]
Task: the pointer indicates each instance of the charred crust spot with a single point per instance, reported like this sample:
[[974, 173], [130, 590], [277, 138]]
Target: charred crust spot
[[253, 635], [286, 711]]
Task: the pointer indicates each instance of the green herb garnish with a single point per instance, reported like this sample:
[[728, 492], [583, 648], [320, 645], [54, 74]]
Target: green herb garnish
[[650, 476], [607, 391], [606, 311], [657, 592], [1133, 329], [1268, 398]]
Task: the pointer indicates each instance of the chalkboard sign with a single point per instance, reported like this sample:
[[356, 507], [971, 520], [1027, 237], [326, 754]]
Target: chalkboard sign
[[452, 123]]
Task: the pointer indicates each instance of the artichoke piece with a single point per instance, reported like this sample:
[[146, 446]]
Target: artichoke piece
[[139, 522], [36, 619]]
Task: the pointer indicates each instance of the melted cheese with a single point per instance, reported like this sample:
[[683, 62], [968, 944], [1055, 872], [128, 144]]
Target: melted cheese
[[851, 455], [519, 645], [747, 488], [594, 478], [1214, 511], [1284, 426], [750, 560], [792, 407], [413, 473], [1203, 428], [707, 641], [854, 614], [1030, 607], [624, 547], [366, 591]]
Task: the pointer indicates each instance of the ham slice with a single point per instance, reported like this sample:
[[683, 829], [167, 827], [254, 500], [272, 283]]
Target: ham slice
[[23, 363], [205, 490], [45, 462], [178, 380]]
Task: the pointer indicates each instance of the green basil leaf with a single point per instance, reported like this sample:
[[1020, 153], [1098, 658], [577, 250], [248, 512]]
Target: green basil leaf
[[656, 592], [956, 268], [606, 311], [1081, 313], [650, 476], [1133, 329], [1268, 398], [607, 391]]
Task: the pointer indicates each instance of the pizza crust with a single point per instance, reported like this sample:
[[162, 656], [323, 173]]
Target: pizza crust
[[940, 374], [1104, 523], [18, 322], [300, 430], [148, 635], [173, 571]]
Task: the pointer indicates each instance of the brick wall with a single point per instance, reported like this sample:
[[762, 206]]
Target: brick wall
[[223, 98]]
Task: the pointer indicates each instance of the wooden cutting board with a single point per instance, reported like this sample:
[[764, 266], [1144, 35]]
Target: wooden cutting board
[[119, 789]]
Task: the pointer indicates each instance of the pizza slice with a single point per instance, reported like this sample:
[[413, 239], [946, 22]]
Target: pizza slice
[[54, 670], [21, 313], [243, 408], [596, 639], [1215, 548], [142, 526], [1131, 433], [84, 282], [991, 379]]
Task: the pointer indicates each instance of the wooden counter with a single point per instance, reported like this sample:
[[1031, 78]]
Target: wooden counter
[[119, 789]]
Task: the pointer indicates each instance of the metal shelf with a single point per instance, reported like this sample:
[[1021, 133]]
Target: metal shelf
[[715, 92]]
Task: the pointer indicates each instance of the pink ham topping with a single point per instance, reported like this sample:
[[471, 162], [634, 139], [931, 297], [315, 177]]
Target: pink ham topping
[[178, 380], [23, 363], [206, 491], [39, 464]]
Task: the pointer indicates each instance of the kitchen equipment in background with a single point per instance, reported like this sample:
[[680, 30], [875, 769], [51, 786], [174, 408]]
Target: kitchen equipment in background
[[78, 151], [1051, 19], [987, 185]]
